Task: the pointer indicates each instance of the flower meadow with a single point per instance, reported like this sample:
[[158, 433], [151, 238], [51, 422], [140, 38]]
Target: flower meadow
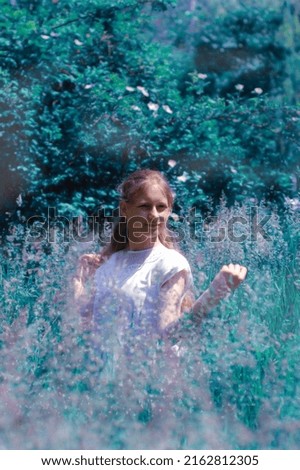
[[234, 382]]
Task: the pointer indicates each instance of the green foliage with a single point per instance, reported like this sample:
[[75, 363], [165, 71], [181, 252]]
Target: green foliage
[[91, 92], [242, 47]]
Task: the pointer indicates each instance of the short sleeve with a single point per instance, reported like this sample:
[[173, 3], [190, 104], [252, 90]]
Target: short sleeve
[[174, 264]]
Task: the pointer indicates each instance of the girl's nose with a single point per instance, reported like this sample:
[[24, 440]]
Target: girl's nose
[[153, 213]]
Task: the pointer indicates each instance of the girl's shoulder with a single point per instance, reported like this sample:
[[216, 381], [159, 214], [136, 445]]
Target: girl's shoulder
[[173, 257], [165, 258], [172, 252], [173, 262]]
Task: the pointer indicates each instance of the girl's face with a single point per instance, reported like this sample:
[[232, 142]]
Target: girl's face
[[145, 214]]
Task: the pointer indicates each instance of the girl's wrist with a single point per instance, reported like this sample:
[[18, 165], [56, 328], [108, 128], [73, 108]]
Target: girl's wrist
[[202, 304], [219, 289], [210, 298]]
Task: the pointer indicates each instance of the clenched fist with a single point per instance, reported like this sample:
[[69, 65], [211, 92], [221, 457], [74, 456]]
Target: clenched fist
[[228, 278], [87, 266]]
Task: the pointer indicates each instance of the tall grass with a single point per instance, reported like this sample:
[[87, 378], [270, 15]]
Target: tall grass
[[233, 384]]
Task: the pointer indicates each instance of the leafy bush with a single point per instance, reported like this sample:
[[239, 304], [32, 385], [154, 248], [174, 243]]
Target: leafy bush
[[89, 93]]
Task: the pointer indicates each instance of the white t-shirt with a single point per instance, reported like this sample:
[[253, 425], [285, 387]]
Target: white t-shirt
[[128, 286]]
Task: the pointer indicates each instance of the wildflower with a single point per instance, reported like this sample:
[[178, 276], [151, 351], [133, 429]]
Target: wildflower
[[19, 200], [143, 90], [172, 163], [294, 203], [174, 216], [153, 106], [167, 109], [239, 87], [184, 177]]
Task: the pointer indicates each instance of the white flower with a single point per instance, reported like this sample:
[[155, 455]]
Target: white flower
[[45, 36], [19, 200], [239, 87], [167, 109], [172, 163], [184, 177], [77, 42], [143, 90], [174, 216], [88, 86], [294, 203], [202, 76], [258, 91], [130, 88], [135, 108], [153, 106]]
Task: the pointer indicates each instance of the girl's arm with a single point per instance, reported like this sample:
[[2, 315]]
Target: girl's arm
[[170, 299], [83, 291], [228, 279], [86, 269], [172, 293]]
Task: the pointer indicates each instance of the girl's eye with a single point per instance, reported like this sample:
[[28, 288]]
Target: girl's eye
[[161, 207]]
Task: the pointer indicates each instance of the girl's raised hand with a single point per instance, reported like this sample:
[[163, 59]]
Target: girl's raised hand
[[87, 266], [228, 278]]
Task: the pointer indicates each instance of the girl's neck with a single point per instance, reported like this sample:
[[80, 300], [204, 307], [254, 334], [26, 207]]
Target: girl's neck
[[144, 245]]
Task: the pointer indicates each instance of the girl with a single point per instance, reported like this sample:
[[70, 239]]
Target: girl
[[141, 276]]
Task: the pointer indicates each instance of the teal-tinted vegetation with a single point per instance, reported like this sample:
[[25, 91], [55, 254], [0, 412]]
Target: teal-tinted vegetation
[[208, 93]]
